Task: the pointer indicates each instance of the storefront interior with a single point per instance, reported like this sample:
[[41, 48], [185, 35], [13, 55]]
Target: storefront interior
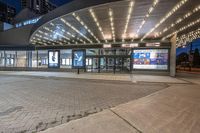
[[97, 60]]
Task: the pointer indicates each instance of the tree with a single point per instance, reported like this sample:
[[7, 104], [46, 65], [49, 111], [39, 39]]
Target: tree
[[196, 60], [183, 57]]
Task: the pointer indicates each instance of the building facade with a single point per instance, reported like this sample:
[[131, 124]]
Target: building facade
[[7, 13], [38, 6], [100, 36]]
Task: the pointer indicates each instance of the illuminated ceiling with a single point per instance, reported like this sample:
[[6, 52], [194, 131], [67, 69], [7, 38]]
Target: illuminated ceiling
[[123, 21]]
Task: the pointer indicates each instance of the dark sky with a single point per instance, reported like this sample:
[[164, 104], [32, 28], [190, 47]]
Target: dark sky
[[16, 3], [60, 2], [195, 44]]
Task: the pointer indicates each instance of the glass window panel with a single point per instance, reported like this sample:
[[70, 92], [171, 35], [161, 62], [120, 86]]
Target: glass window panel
[[121, 51], [21, 59], [42, 58], [34, 58], [2, 59], [92, 52], [10, 57], [66, 58], [107, 52]]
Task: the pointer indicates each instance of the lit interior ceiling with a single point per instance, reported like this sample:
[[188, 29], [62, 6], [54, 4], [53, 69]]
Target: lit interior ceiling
[[122, 21]]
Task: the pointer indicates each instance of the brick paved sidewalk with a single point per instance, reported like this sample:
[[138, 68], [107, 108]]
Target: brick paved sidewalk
[[98, 76], [29, 104]]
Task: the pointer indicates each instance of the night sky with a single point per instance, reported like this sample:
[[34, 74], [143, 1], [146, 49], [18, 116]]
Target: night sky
[[16, 3], [195, 44]]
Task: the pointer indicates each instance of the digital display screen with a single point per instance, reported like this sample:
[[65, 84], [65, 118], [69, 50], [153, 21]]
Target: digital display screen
[[78, 58], [150, 59], [54, 59]]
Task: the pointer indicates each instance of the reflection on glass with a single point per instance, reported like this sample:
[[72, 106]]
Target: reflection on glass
[[92, 52], [42, 58], [66, 58]]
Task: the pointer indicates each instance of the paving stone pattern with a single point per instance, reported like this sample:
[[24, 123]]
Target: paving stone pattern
[[31, 104]]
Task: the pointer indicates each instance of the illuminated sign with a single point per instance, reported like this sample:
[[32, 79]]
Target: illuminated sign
[[28, 22], [54, 61], [130, 45], [107, 46], [78, 57], [157, 44], [150, 59]]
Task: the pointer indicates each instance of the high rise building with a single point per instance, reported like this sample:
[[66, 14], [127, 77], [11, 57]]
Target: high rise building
[[38, 6], [7, 13]]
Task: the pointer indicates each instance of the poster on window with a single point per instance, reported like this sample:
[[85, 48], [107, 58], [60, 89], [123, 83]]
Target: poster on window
[[78, 57], [54, 59], [156, 59]]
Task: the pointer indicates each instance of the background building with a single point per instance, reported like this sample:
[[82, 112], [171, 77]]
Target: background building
[[38, 6], [7, 13]]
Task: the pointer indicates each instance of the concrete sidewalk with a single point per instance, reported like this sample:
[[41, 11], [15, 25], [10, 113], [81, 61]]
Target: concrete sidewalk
[[172, 110], [99, 76]]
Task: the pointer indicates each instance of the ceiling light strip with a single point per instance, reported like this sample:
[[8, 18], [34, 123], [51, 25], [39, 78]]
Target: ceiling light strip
[[43, 37], [72, 27], [131, 4], [112, 24], [40, 40], [183, 28], [97, 23], [71, 35], [68, 33], [189, 37], [179, 20], [46, 28], [155, 3], [79, 39], [170, 13], [58, 40], [85, 26]]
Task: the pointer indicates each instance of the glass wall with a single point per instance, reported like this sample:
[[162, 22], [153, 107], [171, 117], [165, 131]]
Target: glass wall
[[104, 59], [107, 52], [34, 60], [123, 51], [2, 59], [97, 60], [10, 57], [21, 59], [66, 58], [42, 58], [90, 52], [92, 60], [13, 59]]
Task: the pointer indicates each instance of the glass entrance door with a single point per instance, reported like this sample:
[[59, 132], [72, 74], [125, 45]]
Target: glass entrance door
[[110, 64], [126, 64], [92, 64], [119, 64], [107, 64], [122, 64], [114, 64]]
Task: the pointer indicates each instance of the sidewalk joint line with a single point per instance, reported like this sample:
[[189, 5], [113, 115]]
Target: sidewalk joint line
[[125, 121]]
